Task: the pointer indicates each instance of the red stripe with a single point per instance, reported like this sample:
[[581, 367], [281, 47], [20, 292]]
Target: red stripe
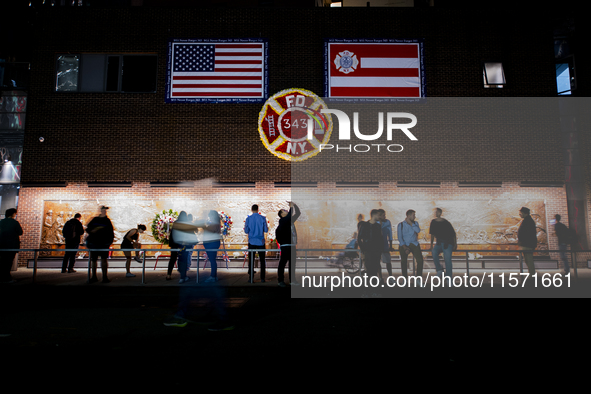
[[377, 72], [375, 50], [236, 45], [216, 85], [218, 54], [238, 61], [216, 78], [217, 94], [238, 70], [374, 92]]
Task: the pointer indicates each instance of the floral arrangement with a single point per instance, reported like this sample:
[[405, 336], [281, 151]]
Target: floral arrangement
[[226, 223], [161, 226]]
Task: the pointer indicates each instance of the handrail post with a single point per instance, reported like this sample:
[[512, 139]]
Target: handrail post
[[467, 264], [574, 262], [144, 267], [197, 275], [251, 257], [88, 262], [521, 262], [35, 265], [305, 262]]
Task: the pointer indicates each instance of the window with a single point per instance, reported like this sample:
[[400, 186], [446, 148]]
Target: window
[[565, 76], [116, 73], [493, 75]]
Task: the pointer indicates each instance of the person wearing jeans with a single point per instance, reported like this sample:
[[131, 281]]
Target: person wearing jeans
[[408, 231], [444, 236], [255, 226]]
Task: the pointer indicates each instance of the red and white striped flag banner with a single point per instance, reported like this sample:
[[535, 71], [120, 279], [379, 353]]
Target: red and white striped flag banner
[[384, 69]]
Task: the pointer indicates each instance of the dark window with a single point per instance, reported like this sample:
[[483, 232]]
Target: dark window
[[106, 73]]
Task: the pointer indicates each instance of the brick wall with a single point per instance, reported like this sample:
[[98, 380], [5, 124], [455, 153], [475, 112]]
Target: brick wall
[[137, 137]]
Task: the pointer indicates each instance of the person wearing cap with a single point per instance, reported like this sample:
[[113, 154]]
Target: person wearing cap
[[100, 236], [527, 238]]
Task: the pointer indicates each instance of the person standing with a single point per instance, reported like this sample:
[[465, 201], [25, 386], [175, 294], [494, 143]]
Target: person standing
[[183, 231], [563, 234], [173, 255], [100, 236], [211, 238], [387, 234], [10, 232], [408, 231], [443, 234], [286, 236], [256, 227], [131, 241], [72, 232], [371, 243], [527, 238]]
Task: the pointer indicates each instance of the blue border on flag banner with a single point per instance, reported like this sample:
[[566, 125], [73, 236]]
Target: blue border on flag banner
[[419, 41], [168, 84]]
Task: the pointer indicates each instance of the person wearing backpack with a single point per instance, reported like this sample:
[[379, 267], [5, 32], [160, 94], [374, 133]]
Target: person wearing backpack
[[72, 232], [563, 234]]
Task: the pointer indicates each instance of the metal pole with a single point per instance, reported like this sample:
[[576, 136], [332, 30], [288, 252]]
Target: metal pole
[[520, 262], [197, 276], [251, 265], [144, 267], [574, 262], [306, 262], [467, 264], [34, 266]]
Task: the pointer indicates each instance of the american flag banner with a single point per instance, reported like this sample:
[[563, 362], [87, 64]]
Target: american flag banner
[[217, 71], [384, 69]]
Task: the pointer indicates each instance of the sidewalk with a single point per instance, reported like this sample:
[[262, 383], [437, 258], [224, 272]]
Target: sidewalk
[[61, 316]]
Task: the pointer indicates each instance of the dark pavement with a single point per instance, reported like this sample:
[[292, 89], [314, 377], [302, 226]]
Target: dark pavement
[[60, 317]]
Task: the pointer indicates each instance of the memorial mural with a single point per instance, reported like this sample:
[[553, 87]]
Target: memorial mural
[[322, 225]]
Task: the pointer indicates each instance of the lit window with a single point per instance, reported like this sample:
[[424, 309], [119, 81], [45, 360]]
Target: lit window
[[565, 76], [493, 75]]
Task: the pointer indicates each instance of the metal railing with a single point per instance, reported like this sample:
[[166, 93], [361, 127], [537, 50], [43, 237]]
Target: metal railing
[[466, 252]]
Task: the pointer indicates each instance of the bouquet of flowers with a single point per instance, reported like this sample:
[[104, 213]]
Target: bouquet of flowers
[[161, 225], [226, 223]]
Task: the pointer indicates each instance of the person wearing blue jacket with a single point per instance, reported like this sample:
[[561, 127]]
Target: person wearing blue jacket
[[255, 228], [408, 231]]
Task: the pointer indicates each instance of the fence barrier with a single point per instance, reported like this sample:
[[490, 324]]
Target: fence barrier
[[466, 252]]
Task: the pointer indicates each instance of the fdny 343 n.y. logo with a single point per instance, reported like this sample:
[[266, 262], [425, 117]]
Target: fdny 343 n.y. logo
[[291, 126]]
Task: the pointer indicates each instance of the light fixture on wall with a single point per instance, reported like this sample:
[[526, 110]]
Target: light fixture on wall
[[493, 75]]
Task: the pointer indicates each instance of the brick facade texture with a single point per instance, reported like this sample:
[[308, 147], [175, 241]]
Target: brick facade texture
[[112, 137]]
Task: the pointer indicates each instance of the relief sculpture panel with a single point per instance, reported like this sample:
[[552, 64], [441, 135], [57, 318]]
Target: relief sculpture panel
[[322, 224]]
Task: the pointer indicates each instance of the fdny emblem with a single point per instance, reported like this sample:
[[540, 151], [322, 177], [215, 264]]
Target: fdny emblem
[[346, 62], [291, 125]]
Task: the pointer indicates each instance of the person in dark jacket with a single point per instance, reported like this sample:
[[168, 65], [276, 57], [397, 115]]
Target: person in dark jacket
[[72, 232], [527, 238], [562, 233], [10, 232], [100, 236], [286, 236], [371, 243]]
